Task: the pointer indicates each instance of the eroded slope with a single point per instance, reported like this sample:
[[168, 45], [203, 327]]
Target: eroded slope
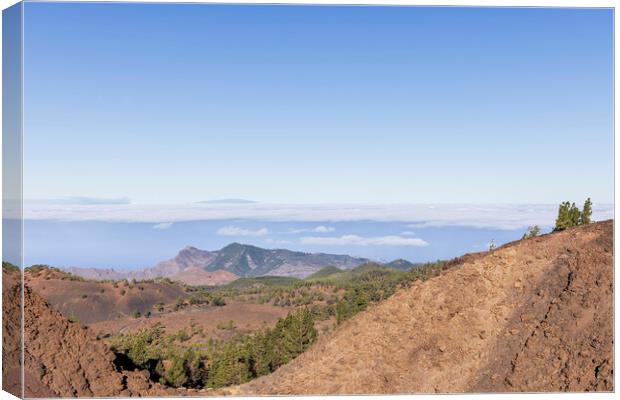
[[65, 359], [534, 315]]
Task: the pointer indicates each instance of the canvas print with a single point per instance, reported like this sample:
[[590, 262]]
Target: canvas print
[[235, 200]]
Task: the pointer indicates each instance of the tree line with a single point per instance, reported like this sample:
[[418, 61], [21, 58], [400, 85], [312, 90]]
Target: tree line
[[569, 215], [239, 360]]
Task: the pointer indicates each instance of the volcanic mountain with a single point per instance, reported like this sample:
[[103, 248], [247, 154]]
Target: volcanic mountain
[[187, 266], [200, 267], [534, 315], [90, 301], [248, 261]]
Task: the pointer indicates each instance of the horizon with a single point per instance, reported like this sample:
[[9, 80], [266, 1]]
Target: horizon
[[206, 123], [417, 234]]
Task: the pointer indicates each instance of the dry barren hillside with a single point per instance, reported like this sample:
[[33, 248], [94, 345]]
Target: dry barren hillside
[[11, 330], [534, 315], [92, 301], [63, 358]]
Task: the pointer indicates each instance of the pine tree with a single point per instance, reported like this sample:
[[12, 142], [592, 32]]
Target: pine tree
[[575, 215], [299, 333], [342, 311], [194, 368], [230, 366], [281, 353], [586, 214], [175, 376], [261, 348], [563, 220]]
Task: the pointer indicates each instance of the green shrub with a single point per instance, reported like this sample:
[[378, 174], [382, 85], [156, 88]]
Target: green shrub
[[182, 335], [175, 376], [219, 302], [532, 231], [138, 346], [10, 267]]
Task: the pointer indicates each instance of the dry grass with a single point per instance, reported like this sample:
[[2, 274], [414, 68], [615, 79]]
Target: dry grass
[[246, 318], [535, 315]]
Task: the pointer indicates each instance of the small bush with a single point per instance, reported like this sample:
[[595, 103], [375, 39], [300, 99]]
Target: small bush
[[182, 335], [229, 326], [532, 231], [219, 302]]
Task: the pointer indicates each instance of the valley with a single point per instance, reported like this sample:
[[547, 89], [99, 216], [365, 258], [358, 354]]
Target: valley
[[373, 327]]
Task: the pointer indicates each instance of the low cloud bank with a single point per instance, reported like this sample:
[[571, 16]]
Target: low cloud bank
[[163, 225], [348, 240], [236, 231], [503, 216]]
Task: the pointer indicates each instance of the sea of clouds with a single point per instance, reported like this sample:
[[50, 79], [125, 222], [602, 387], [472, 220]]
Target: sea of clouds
[[498, 216]]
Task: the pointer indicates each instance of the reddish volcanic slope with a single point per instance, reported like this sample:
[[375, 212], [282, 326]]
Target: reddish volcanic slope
[[534, 315], [61, 358]]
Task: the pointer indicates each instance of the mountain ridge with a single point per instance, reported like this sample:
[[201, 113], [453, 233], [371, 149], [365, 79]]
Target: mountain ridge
[[232, 261]]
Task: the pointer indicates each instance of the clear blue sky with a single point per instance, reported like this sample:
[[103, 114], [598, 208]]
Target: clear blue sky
[[182, 103]]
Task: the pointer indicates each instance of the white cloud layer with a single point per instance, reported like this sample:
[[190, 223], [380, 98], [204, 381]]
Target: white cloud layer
[[318, 229], [81, 200], [347, 240], [163, 225], [236, 231], [502, 216]]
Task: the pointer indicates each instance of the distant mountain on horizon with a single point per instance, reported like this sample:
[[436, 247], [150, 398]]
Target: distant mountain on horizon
[[400, 264], [202, 267]]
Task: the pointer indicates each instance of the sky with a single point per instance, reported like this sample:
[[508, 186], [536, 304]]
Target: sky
[[174, 104]]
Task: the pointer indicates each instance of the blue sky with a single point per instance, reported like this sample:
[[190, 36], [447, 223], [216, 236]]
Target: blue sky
[[182, 103]]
